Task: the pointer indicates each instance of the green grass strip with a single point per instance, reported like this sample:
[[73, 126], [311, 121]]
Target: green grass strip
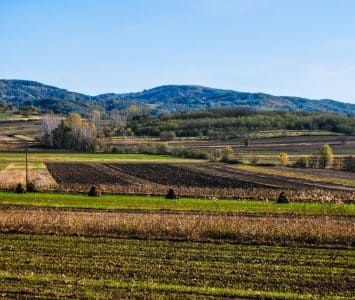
[[152, 286], [132, 202]]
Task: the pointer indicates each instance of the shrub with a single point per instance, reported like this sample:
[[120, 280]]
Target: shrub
[[283, 159], [167, 135], [302, 162], [326, 156], [348, 164], [227, 154], [337, 164], [313, 161], [116, 150], [188, 153]]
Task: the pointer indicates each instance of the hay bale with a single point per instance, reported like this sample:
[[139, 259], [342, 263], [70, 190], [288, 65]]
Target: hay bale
[[31, 187], [171, 194], [94, 192], [282, 198], [20, 189]]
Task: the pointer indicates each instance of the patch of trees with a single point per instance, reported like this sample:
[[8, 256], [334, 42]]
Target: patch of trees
[[162, 149], [69, 133], [324, 158], [223, 123], [321, 159]]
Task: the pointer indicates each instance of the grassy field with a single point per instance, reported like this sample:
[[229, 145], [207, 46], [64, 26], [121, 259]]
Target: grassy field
[[52, 266], [4, 115], [297, 174], [90, 157], [125, 202]]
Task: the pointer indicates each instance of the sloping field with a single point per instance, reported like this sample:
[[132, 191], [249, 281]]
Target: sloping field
[[195, 180], [73, 267]]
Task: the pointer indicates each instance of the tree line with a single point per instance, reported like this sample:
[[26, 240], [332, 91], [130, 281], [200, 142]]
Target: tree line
[[236, 122]]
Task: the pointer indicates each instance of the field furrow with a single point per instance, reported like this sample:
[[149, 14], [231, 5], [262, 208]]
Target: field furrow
[[103, 267]]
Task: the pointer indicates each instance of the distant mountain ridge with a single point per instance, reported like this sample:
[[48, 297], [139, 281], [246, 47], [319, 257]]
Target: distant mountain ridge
[[165, 98]]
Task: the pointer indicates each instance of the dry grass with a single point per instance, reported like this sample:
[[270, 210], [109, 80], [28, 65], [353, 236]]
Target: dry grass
[[270, 230], [260, 194], [15, 173], [299, 174]]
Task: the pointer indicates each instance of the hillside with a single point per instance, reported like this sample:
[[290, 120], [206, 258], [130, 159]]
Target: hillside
[[160, 99]]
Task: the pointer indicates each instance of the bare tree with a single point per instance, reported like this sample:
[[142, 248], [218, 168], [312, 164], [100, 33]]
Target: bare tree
[[118, 120], [95, 117], [49, 122]]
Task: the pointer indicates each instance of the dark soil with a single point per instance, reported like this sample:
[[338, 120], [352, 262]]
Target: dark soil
[[92, 174], [178, 175]]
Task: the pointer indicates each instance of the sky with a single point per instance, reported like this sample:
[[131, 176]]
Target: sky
[[284, 47]]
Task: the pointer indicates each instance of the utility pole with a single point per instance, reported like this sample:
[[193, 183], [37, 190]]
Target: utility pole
[[26, 151]]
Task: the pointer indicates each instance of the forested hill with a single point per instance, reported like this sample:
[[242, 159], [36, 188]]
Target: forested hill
[[221, 123], [160, 99]]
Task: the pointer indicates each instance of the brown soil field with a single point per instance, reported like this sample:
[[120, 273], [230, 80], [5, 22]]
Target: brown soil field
[[189, 180], [178, 175], [263, 229], [85, 174]]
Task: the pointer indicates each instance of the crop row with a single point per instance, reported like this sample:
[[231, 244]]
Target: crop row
[[264, 229], [55, 266]]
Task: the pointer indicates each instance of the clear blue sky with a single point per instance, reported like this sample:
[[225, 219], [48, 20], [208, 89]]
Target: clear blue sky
[[284, 47]]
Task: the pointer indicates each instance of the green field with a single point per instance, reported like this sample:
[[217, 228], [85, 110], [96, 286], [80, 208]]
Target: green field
[[5, 115], [90, 157], [128, 202], [52, 266]]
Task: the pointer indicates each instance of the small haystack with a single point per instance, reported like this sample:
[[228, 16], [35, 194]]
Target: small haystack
[[20, 189], [171, 194], [94, 192], [282, 198]]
